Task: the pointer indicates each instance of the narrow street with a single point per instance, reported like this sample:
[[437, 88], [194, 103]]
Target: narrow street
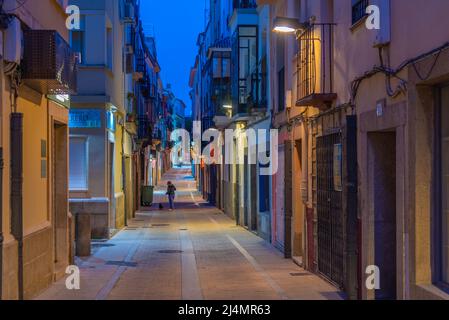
[[192, 253]]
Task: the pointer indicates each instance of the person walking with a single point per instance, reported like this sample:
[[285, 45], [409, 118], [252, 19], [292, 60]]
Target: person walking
[[171, 190]]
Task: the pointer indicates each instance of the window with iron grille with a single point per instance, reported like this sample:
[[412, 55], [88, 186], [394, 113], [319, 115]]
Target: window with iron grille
[[359, 10]]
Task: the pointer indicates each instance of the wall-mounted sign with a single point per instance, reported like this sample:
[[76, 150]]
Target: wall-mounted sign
[[338, 167], [84, 118]]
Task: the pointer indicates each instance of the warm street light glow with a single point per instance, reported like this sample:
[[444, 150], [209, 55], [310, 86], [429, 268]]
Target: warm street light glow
[[287, 25], [227, 106], [284, 29]]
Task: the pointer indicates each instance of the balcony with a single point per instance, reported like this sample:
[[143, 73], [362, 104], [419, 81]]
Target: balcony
[[224, 43], [315, 67], [49, 64], [144, 131], [140, 67], [128, 12]]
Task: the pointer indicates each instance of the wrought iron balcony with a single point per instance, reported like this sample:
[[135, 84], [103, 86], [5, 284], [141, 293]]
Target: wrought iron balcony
[[49, 64], [315, 67], [222, 43], [128, 11], [145, 131]]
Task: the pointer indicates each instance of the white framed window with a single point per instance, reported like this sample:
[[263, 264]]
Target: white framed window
[[79, 169]]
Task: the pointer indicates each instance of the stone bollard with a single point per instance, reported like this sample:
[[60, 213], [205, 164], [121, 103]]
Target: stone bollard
[[83, 235]]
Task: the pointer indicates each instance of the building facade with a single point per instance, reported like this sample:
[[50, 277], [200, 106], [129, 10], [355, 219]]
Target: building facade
[[97, 118], [351, 144], [360, 116]]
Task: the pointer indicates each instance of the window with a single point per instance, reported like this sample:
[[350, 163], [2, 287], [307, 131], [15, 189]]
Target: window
[[78, 179], [443, 214], [359, 10]]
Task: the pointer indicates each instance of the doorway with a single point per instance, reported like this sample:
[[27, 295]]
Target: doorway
[[330, 208], [382, 146], [246, 196], [60, 197]]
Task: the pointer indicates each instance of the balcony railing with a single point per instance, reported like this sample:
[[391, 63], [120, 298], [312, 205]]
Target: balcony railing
[[49, 64], [315, 67], [245, 4], [359, 10], [144, 132]]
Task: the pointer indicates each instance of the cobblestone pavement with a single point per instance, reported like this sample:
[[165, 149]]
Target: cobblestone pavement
[[194, 252]]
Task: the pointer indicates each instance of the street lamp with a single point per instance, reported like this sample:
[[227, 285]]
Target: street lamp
[[287, 25]]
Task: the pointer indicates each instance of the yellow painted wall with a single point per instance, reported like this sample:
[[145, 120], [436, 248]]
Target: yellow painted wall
[[43, 14]]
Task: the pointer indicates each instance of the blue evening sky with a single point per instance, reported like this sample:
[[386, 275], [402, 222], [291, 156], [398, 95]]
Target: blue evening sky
[[176, 25]]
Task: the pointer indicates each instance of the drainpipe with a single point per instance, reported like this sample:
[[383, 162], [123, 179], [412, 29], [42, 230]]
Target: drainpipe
[[1, 223], [124, 175], [16, 190]]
